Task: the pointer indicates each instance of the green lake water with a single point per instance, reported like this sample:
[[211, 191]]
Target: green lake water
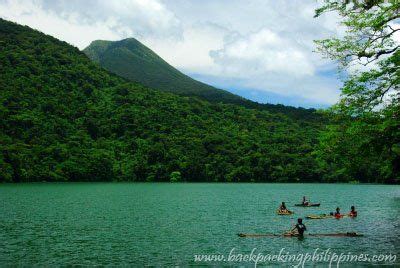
[[167, 224]]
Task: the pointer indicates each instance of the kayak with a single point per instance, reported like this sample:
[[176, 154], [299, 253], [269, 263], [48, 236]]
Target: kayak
[[279, 212], [348, 234], [319, 217], [324, 216], [308, 205]]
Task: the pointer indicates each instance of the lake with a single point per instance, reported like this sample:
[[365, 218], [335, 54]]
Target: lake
[[162, 224]]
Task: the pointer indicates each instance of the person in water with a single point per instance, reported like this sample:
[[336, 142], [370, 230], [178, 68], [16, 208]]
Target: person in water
[[283, 208], [337, 213], [299, 228], [353, 212], [305, 202]]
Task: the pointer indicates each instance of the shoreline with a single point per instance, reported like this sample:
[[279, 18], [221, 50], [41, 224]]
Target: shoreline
[[189, 182]]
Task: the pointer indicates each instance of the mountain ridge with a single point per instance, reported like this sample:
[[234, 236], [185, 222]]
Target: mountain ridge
[[130, 59], [151, 71]]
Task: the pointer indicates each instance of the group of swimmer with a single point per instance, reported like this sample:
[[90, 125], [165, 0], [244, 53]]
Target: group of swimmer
[[338, 215], [300, 228]]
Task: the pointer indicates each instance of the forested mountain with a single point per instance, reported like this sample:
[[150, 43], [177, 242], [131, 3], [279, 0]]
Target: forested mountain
[[64, 118], [132, 60]]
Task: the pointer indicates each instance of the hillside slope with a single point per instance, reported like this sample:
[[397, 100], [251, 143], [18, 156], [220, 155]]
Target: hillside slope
[[64, 118], [134, 61]]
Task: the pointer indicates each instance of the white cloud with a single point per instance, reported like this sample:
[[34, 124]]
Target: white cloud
[[192, 51], [264, 52]]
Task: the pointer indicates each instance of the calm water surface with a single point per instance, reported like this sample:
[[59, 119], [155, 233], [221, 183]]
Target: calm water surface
[[166, 224]]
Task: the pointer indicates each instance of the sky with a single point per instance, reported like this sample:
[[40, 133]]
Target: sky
[[260, 49]]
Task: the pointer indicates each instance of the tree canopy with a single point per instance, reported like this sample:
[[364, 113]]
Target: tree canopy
[[365, 141]]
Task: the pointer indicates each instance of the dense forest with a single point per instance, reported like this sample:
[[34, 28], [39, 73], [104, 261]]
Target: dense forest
[[64, 118]]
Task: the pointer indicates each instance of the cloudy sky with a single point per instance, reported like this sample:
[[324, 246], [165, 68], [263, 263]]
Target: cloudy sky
[[259, 49]]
